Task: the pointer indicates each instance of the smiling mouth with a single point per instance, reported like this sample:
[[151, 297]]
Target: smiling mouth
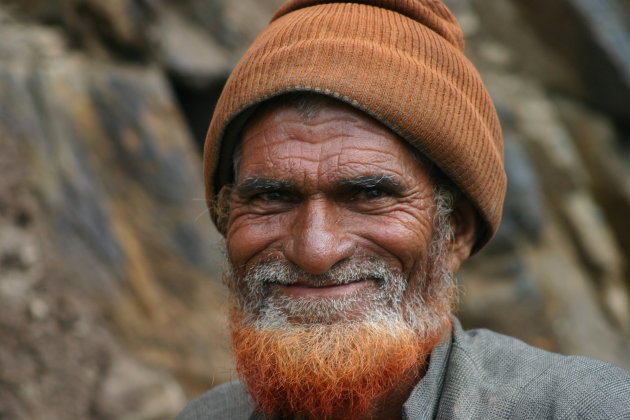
[[331, 291]]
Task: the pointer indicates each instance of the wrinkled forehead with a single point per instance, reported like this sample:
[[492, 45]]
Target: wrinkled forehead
[[310, 124]]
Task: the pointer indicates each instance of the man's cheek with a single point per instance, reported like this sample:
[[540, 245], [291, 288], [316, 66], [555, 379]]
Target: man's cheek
[[248, 239]]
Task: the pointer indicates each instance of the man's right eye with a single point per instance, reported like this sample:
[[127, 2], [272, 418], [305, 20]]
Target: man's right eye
[[272, 196], [271, 201]]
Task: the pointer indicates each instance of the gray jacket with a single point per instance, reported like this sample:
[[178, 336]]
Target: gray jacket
[[479, 374]]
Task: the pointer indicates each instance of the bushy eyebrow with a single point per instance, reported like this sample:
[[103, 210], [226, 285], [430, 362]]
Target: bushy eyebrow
[[386, 182], [255, 184]]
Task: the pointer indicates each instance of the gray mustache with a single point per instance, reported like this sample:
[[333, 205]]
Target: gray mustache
[[286, 273]]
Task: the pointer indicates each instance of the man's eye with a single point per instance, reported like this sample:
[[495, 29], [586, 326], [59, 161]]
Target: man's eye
[[272, 196], [371, 193]]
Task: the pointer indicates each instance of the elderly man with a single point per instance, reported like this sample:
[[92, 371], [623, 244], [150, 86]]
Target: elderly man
[[353, 162]]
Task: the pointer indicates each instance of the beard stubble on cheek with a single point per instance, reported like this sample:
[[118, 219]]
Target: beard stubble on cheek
[[306, 356]]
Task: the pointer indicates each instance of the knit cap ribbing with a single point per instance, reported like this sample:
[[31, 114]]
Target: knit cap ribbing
[[400, 61], [430, 13]]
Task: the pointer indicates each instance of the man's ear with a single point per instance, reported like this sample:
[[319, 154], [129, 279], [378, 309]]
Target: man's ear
[[464, 223], [221, 208]]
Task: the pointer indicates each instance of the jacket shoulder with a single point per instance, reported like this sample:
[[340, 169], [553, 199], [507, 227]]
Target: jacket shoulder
[[229, 401], [505, 375]]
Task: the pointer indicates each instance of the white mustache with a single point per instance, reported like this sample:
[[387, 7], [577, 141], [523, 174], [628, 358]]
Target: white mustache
[[286, 273]]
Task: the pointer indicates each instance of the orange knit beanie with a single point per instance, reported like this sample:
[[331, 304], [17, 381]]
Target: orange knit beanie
[[400, 61]]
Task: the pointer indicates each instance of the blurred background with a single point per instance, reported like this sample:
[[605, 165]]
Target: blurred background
[[111, 305]]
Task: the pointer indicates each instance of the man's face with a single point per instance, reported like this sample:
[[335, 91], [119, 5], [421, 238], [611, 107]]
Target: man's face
[[339, 278], [337, 191]]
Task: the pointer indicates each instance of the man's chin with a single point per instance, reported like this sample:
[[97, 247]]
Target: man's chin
[[327, 369]]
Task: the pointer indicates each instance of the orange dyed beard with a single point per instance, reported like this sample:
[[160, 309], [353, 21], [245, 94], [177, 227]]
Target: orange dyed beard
[[328, 371]]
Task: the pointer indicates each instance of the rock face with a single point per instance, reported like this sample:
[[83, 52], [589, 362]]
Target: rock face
[[556, 275], [110, 298], [105, 250]]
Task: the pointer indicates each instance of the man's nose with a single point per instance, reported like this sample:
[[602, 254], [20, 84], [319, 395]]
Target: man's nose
[[317, 238]]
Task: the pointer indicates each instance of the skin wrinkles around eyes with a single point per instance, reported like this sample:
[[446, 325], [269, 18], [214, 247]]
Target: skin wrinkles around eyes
[[384, 184]]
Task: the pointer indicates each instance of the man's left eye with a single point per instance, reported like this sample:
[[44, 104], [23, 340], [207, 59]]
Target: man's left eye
[[372, 193]]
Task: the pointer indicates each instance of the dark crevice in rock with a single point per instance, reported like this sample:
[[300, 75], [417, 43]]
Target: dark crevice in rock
[[594, 45], [116, 30], [90, 21], [197, 105]]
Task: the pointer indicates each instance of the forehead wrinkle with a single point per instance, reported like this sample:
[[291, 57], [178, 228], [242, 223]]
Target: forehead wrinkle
[[385, 160], [312, 171], [334, 166], [322, 119], [358, 169], [284, 139], [332, 151], [387, 145], [302, 130]]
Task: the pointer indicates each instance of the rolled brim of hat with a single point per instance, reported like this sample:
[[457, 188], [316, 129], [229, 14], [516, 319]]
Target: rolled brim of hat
[[391, 65]]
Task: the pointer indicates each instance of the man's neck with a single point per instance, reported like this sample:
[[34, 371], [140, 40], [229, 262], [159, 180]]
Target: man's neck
[[390, 407]]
